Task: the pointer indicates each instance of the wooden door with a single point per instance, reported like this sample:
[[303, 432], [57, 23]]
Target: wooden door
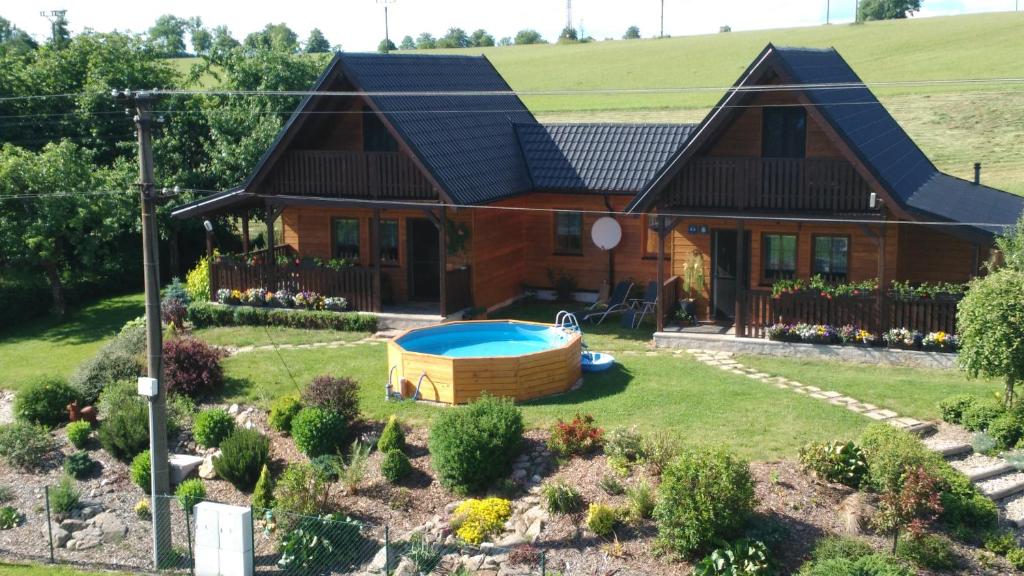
[[424, 260]]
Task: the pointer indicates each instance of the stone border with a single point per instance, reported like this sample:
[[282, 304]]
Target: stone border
[[858, 354]]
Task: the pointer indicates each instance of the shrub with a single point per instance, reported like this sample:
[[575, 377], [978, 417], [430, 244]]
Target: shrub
[[742, 558], [841, 462], [611, 485], [339, 395], [395, 465], [141, 471], [263, 493], [9, 517], [78, 433], [318, 431], [25, 445], [282, 411], [1001, 542], [641, 501], [623, 446], [242, 455], [908, 506], [197, 281], [351, 474], [124, 432], [204, 314], [212, 426], [44, 401], [705, 496], [978, 416], [601, 519], [192, 367], [561, 498], [316, 545], [833, 547], [78, 464], [983, 443], [64, 496], [1006, 429], [173, 312], [299, 491], [577, 436], [1016, 558], [475, 520], [189, 493], [142, 510], [392, 437], [953, 407], [326, 466], [990, 330], [870, 565], [118, 360], [928, 551], [658, 449], [474, 445]]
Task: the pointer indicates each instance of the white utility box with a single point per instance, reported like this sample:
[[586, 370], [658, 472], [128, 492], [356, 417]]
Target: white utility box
[[223, 544]]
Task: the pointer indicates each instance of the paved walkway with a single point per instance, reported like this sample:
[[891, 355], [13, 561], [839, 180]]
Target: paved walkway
[[375, 339]]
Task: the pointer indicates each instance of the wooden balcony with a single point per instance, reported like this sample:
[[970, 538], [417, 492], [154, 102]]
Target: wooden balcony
[[769, 185], [338, 174]]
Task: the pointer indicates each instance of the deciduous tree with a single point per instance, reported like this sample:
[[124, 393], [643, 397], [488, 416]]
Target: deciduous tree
[[167, 35], [407, 43], [887, 9], [632, 33], [317, 43], [529, 36]]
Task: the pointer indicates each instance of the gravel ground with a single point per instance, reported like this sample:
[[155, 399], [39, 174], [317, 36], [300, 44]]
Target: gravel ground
[[947, 435]]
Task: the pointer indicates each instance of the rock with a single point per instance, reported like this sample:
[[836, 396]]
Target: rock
[[511, 541], [519, 474], [85, 540], [73, 526], [486, 546], [206, 471], [182, 466], [90, 511], [533, 532], [61, 537], [451, 506], [536, 479], [856, 511], [110, 528], [377, 565], [233, 409], [405, 568]]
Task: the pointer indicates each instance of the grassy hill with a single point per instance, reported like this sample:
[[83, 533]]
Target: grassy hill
[[955, 124]]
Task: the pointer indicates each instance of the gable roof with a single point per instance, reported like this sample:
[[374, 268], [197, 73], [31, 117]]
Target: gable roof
[[870, 132], [598, 157]]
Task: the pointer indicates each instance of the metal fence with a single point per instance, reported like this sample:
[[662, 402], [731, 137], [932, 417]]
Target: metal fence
[[286, 544]]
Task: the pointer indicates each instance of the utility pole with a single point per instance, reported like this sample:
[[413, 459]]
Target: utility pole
[[828, 10], [661, 34], [58, 21], [387, 33], [568, 14], [160, 484]]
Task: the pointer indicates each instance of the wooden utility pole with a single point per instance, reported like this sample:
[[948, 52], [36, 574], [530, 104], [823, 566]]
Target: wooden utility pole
[[160, 485], [661, 34]]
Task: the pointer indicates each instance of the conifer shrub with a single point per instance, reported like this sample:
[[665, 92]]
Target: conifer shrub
[[243, 455], [472, 446], [395, 465], [318, 431], [392, 437]]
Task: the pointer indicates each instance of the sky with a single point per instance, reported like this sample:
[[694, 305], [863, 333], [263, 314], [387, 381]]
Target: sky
[[358, 25]]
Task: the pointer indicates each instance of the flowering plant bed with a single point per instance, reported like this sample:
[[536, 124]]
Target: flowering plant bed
[[305, 299], [897, 338], [205, 314]]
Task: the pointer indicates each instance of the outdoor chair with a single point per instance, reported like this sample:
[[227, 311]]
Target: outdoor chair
[[618, 302], [644, 306]]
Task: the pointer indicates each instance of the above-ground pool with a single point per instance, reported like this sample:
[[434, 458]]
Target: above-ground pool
[[458, 361]]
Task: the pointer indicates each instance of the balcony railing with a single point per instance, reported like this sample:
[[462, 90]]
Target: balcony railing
[[341, 174], [770, 184]]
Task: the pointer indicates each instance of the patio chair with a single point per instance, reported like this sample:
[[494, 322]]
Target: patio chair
[[618, 302], [647, 305]]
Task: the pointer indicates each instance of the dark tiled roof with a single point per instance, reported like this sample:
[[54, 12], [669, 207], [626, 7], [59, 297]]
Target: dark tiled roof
[[468, 142], [598, 157], [875, 136]]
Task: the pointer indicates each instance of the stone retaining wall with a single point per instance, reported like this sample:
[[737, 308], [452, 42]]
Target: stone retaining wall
[[863, 355]]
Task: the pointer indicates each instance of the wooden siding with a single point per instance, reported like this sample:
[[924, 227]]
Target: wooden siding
[[930, 255], [743, 135], [498, 256]]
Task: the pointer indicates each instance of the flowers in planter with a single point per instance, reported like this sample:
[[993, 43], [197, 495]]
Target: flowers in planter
[[817, 333], [940, 341], [823, 287], [283, 298], [782, 333], [335, 303], [902, 338]]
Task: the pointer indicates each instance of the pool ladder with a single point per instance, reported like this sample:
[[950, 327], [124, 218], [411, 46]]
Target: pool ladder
[[391, 394], [567, 321]]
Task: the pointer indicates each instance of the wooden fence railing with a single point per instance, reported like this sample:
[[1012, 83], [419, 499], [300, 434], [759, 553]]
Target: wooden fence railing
[[459, 289], [925, 315], [670, 297], [355, 284], [345, 174]]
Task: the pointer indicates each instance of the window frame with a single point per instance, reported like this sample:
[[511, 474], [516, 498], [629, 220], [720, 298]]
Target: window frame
[[769, 277], [559, 249], [398, 243], [830, 277], [785, 112], [359, 237]]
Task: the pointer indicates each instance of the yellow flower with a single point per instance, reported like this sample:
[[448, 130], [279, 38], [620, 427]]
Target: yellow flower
[[477, 519]]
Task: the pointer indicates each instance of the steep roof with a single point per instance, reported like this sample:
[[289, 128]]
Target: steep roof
[[598, 157]]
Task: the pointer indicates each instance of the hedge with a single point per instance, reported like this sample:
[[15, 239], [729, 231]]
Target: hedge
[[206, 314]]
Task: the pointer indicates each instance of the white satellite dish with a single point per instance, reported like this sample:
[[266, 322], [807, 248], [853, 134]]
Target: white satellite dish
[[606, 233]]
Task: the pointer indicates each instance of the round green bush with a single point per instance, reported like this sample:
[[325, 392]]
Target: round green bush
[[706, 496], [1006, 429], [930, 551], [601, 519], [25, 445], [78, 464], [392, 437], [395, 465], [340, 395], [189, 493], [141, 471], [871, 565], [326, 467], [124, 432], [78, 433], [44, 401], [119, 360], [952, 408], [472, 446], [212, 426], [977, 417], [282, 411], [1016, 558], [242, 455], [318, 431]]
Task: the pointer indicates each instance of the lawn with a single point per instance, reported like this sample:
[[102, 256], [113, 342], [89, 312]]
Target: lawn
[[239, 336], [45, 570], [47, 346], [910, 391]]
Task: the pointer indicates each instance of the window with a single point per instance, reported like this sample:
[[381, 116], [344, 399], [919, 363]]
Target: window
[[376, 137], [568, 233], [389, 241], [831, 255], [784, 132], [779, 256], [346, 238]]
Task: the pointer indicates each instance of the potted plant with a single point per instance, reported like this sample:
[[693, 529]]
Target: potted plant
[[693, 281]]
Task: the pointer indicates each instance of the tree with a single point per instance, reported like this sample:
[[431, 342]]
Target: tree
[[14, 40], [505, 41], [481, 39], [167, 36], [425, 41], [911, 506], [385, 46], [454, 38], [632, 33], [1010, 247], [202, 41], [317, 43], [276, 37], [222, 44], [407, 43], [529, 36], [886, 9], [60, 36], [568, 35], [990, 325]]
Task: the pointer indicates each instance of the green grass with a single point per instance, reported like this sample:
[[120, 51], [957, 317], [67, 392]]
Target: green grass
[[41, 570], [909, 391], [50, 347], [239, 336]]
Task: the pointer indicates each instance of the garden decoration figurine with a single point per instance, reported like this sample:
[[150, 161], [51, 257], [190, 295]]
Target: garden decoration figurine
[[87, 414]]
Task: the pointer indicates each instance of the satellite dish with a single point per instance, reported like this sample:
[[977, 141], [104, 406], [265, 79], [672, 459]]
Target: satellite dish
[[606, 233]]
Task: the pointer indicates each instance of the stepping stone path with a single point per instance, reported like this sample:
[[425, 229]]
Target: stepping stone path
[[993, 476], [369, 340]]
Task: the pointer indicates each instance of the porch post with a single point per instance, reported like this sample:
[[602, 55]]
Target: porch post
[[660, 309], [375, 257], [442, 231], [740, 316], [245, 233], [270, 266], [883, 309]]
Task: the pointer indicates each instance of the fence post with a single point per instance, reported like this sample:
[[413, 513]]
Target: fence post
[[49, 522], [252, 535], [188, 536], [387, 550], [543, 563]]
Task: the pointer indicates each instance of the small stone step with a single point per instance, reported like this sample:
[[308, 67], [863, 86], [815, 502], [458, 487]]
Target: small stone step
[[1002, 486], [978, 467], [1013, 509]]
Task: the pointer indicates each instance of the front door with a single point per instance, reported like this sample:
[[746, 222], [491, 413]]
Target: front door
[[725, 276], [424, 260]]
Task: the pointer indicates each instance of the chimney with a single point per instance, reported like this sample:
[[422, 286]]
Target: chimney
[[977, 172]]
